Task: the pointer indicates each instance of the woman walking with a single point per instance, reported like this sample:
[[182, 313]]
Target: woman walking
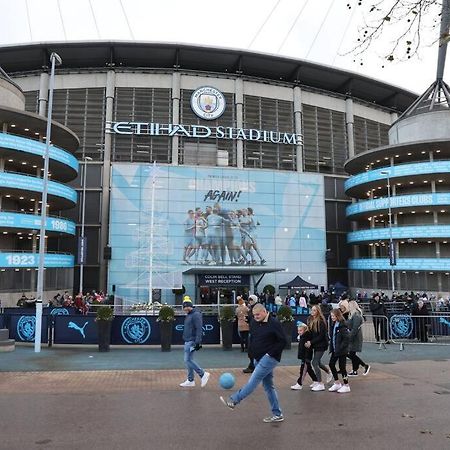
[[318, 342], [242, 322], [354, 323], [338, 349]]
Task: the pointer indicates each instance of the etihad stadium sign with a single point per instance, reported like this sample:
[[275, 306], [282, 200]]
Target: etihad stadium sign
[[202, 131], [208, 103]]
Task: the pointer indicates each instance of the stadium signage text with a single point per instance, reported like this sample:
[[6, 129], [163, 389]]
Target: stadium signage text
[[202, 131]]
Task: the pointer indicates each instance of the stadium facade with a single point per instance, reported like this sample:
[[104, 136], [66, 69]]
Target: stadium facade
[[248, 185]]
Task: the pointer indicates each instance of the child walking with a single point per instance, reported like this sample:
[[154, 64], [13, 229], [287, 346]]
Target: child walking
[[305, 356], [339, 338]]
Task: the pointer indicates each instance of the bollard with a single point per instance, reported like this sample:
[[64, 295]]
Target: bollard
[[401, 346]]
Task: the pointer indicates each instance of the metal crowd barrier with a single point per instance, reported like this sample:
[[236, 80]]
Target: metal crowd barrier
[[376, 330], [411, 329]]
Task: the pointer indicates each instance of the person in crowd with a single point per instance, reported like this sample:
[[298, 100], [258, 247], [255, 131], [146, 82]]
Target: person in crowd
[[278, 302], [420, 322], [378, 310], [267, 341], [242, 323], [343, 306], [339, 338], [318, 343], [252, 301], [192, 337], [354, 324], [22, 300], [80, 304], [302, 301], [305, 356]]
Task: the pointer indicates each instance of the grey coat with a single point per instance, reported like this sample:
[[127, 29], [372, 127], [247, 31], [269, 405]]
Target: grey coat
[[356, 335]]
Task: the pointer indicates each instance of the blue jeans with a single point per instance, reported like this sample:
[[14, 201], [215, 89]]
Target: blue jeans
[[263, 373], [191, 365]]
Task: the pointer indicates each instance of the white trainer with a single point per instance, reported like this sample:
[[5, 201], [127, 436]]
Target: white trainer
[[329, 377], [297, 387], [344, 389], [335, 387], [313, 384], [205, 379], [318, 387], [187, 383]]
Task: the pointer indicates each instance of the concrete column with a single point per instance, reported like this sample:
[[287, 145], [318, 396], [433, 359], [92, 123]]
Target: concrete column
[[106, 178], [4, 127], [298, 111], [43, 93], [239, 103], [349, 120], [176, 96]]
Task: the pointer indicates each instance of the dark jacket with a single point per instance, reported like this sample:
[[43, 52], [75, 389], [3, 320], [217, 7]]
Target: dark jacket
[[354, 325], [266, 337], [339, 344], [319, 339], [192, 330], [305, 354], [377, 308]]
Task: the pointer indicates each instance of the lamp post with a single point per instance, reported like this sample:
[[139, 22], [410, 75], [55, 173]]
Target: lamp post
[[392, 258], [82, 243], [55, 59]]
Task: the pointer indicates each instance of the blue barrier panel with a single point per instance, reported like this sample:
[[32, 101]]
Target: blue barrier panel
[[402, 170], [75, 329], [32, 260], [135, 330], [60, 311], [399, 201], [33, 222], [22, 327], [22, 144], [30, 183], [211, 330]]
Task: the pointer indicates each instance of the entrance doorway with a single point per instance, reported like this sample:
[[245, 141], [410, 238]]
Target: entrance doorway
[[227, 295]]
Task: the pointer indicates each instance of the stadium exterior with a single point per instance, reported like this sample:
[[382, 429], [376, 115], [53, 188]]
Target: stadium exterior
[[252, 146]]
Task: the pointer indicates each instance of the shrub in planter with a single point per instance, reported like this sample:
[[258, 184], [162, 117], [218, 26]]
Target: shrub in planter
[[104, 318], [269, 289], [227, 318], [166, 317], [286, 318]]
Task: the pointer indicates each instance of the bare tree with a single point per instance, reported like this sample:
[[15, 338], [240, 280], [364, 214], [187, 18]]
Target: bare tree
[[407, 22]]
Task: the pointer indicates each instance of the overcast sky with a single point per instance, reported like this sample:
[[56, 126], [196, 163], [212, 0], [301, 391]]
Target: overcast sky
[[316, 30]]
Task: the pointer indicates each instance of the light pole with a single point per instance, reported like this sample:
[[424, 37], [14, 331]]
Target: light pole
[[55, 59], [392, 258], [82, 243]]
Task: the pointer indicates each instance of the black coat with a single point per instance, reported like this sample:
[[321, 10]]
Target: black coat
[[340, 347], [377, 308], [319, 339], [305, 354]]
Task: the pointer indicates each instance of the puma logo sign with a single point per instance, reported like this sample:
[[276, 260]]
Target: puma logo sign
[[76, 327]]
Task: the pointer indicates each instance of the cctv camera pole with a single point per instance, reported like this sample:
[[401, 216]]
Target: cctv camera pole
[[54, 59]]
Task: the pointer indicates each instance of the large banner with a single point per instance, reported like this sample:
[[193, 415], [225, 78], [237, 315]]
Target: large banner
[[214, 218]]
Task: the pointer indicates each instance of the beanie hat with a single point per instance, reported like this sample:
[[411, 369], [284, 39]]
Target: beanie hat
[[187, 301]]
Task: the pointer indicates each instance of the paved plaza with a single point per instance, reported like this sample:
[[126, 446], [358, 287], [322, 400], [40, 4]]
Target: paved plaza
[[77, 398]]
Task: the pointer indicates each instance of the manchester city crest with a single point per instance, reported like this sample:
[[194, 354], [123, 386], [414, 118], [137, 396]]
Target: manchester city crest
[[26, 327], [59, 312], [208, 103], [401, 326], [135, 330]]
